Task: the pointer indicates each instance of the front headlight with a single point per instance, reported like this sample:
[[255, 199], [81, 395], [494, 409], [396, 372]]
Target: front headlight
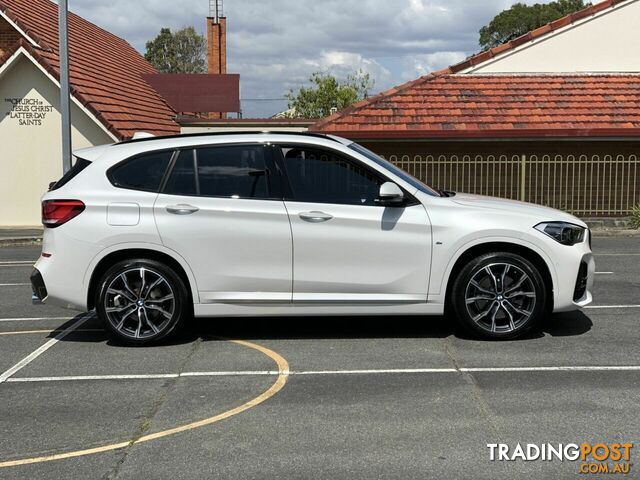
[[565, 233]]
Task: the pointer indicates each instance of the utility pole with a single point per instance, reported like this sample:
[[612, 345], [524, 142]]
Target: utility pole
[[65, 102]]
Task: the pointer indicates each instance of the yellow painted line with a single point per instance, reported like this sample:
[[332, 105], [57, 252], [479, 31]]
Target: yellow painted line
[[31, 332], [283, 374]]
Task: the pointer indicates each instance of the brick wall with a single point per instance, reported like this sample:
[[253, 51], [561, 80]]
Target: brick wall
[[8, 36]]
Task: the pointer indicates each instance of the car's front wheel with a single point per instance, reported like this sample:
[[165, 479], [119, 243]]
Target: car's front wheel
[[141, 301], [499, 296]]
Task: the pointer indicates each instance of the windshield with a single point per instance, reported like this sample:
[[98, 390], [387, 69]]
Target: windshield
[[413, 181]]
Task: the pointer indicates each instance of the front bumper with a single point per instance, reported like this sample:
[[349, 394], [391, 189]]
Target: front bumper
[[38, 288], [576, 272]]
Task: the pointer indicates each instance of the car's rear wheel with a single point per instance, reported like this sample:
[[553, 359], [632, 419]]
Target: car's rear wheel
[[141, 301], [499, 296]]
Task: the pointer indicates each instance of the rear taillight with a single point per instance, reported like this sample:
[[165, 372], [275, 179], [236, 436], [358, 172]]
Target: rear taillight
[[59, 212]]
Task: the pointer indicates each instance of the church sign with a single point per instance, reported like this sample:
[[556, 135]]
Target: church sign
[[28, 111]]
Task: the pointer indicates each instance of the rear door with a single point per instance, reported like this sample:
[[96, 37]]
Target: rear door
[[347, 247], [221, 210]]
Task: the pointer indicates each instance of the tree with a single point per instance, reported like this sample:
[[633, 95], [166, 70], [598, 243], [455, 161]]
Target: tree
[[182, 51], [521, 18], [328, 92]]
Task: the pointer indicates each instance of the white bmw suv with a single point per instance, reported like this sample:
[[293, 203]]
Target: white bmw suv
[[150, 232]]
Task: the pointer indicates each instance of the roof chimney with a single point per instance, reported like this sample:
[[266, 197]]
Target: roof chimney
[[216, 38]]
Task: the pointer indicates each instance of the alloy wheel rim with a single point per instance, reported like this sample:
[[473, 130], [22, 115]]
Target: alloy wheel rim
[[139, 303], [500, 297]]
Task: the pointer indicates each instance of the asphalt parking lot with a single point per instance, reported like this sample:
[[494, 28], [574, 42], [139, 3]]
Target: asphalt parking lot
[[314, 397]]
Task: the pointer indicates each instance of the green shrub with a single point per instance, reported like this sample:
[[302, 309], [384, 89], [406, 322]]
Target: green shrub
[[634, 221]]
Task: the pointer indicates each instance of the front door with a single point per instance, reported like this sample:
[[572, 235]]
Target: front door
[[221, 212], [346, 247]]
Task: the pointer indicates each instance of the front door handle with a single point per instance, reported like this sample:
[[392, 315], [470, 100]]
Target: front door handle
[[182, 209], [315, 217]]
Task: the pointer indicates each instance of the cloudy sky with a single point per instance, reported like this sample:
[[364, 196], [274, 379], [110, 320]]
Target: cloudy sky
[[276, 44]]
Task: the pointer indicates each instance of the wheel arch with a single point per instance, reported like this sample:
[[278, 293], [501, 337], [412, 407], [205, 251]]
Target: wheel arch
[[529, 253], [109, 258]]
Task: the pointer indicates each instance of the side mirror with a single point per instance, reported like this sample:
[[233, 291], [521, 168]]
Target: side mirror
[[390, 194]]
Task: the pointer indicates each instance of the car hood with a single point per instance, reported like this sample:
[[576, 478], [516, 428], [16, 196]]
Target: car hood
[[523, 208]]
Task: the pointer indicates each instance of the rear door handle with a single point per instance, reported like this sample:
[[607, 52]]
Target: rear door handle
[[182, 209], [315, 217]]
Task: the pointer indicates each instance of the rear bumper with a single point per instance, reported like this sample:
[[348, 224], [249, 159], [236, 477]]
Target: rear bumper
[[38, 288], [62, 270]]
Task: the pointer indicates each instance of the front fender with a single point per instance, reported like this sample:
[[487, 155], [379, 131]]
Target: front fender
[[441, 278]]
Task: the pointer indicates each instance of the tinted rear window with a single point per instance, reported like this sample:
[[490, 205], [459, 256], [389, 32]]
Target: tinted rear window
[[77, 167], [144, 172]]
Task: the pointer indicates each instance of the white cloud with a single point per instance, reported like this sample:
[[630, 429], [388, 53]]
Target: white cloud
[[418, 65], [342, 64], [276, 44]]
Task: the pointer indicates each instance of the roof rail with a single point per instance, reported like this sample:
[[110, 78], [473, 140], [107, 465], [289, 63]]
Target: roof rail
[[220, 134]]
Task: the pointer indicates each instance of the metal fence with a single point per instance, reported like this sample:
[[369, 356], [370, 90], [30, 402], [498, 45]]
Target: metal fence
[[588, 185]]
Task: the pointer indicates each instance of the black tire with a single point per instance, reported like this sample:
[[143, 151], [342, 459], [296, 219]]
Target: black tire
[[152, 314], [489, 307]]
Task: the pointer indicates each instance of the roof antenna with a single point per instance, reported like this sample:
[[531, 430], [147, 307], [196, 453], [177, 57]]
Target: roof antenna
[[215, 10]]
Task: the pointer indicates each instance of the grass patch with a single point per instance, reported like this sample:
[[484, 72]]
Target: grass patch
[[634, 220]]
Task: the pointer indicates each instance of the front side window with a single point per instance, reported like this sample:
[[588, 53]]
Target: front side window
[[322, 176], [143, 172]]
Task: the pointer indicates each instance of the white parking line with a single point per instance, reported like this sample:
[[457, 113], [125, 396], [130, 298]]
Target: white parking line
[[36, 332], [34, 319], [577, 368], [604, 273], [90, 377], [32, 356], [389, 371], [595, 307], [14, 284], [377, 372], [572, 368], [17, 262]]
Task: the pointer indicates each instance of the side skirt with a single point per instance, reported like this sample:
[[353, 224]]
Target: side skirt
[[299, 309]]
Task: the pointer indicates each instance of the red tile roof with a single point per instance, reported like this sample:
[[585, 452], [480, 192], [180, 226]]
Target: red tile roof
[[533, 35], [449, 105], [105, 71]]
